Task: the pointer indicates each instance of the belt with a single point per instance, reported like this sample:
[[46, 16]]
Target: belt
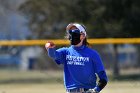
[[81, 90]]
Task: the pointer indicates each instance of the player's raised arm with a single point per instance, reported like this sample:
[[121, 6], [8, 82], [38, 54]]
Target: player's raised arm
[[57, 55], [50, 46]]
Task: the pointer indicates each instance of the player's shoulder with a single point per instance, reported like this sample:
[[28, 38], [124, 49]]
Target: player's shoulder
[[92, 51], [63, 49]]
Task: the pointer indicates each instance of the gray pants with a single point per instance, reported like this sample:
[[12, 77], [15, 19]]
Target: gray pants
[[78, 90]]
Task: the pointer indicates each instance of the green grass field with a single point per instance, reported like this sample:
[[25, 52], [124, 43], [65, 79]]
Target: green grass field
[[51, 82]]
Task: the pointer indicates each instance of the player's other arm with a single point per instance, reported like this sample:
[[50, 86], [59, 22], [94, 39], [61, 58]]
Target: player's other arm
[[103, 79], [101, 83]]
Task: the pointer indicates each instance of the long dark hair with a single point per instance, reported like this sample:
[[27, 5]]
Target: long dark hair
[[85, 42]]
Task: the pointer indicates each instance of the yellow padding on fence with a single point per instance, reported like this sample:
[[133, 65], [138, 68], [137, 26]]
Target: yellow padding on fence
[[66, 42]]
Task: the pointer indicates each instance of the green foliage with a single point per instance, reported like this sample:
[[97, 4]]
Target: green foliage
[[122, 17], [103, 18]]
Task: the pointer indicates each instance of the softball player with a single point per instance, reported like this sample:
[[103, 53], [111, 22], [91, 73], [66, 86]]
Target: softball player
[[81, 63]]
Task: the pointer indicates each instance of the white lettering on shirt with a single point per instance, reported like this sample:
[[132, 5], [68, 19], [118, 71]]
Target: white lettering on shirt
[[76, 60]]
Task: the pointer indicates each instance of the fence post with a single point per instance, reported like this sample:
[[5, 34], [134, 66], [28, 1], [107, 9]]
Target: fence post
[[116, 69]]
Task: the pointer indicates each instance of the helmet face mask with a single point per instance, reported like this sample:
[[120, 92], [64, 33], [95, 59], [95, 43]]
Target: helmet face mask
[[74, 36]]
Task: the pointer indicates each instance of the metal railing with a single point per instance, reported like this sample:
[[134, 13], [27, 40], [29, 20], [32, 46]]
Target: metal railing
[[66, 42]]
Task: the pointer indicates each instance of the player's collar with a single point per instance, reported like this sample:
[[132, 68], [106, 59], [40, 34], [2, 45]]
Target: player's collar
[[78, 48]]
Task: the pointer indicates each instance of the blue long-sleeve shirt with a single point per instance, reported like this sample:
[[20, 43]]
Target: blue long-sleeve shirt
[[81, 64]]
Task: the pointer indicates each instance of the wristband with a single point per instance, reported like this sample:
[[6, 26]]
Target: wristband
[[97, 89]]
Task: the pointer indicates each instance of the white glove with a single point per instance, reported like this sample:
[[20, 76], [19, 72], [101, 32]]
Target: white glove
[[92, 91]]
